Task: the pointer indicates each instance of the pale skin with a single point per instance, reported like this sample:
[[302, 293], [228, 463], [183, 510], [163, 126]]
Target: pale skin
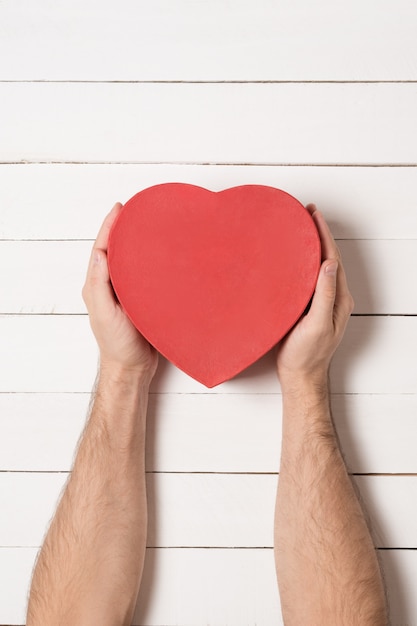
[[327, 569], [90, 567], [91, 563]]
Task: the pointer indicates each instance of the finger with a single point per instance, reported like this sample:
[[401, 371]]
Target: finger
[[103, 234], [311, 208], [322, 306], [329, 248], [98, 292], [343, 296], [343, 299]]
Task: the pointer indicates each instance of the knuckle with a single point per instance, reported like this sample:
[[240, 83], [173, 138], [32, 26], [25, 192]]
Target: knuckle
[[337, 255], [93, 281], [330, 292], [86, 293]]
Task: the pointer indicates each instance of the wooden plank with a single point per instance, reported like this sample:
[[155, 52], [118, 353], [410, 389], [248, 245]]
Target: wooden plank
[[16, 566], [40, 431], [57, 353], [28, 501], [377, 275], [43, 277], [245, 592], [210, 432], [206, 510], [184, 510], [400, 569], [70, 201], [47, 277], [207, 40], [234, 585], [40, 353], [376, 432], [374, 356], [209, 123], [391, 505]]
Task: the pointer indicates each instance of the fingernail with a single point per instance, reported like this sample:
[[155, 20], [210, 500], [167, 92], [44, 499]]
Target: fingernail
[[331, 269]]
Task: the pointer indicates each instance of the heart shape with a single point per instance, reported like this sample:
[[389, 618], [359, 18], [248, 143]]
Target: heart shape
[[213, 280]]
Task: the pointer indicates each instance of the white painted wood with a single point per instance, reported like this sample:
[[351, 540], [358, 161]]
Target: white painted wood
[[237, 587], [377, 432], [379, 277], [49, 353], [47, 277], [390, 502], [206, 510], [239, 40], [178, 132], [40, 431], [57, 353], [16, 566], [400, 569], [375, 356], [199, 587], [43, 277], [230, 586], [70, 201], [184, 510], [210, 432], [27, 506], [204, 123]]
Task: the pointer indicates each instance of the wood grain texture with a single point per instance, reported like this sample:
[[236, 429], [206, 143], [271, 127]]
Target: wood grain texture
[[213, 432], [209, 123], [237, 40], [16, 566], [236, 587], [209, 432], [47, 277], [206, 510], [64, 201], [114, 109], [40, 431], [57, 353]]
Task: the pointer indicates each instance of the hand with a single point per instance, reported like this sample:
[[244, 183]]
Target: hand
[[121, 346], [306, 352]]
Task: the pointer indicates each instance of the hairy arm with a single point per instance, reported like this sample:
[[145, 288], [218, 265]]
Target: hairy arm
[[327, 568], [89, 569]]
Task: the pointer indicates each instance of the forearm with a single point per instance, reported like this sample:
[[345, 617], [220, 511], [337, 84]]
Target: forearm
[[90, 566], [327, 568]]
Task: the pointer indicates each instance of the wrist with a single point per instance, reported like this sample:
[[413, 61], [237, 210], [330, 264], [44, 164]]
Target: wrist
[[306, 407], [306, 387], [120, 407], [120, 375]]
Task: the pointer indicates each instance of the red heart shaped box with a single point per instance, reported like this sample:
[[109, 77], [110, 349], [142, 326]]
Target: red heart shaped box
[[213, 280]]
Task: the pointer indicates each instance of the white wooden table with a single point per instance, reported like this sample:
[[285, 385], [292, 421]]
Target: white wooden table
[[99, 99]]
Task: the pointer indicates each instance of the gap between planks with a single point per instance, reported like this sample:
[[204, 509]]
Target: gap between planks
[[213, 82], [213, 473], [211, 163]]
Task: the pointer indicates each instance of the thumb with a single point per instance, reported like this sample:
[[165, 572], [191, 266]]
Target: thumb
[[99, 269], [98, 290], [325, 294]]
